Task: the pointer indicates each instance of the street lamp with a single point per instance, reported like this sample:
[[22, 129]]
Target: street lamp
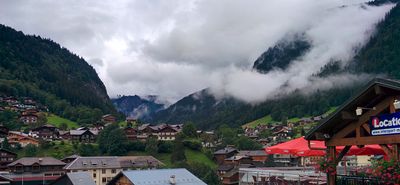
[[359, 110]]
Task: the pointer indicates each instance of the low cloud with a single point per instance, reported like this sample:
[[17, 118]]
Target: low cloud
[[174, 48]]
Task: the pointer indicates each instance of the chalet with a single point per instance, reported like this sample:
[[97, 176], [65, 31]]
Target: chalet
[[221, 155], [47, 132], [255, 155], [29, 111], [77, 178], [131, 133], [167, 132], [6, 157], [10, 100], [238, 159], [84, 136], [231, 177], [159, 177], [29, 118], [29, 101], [3, 131], [224, 168], [65, 135], [15, 138], [108, 118], [36, 169], [101, 168], [263, 141], [104, 168]]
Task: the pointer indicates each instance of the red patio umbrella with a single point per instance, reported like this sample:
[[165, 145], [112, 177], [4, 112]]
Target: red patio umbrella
[[299, 147]]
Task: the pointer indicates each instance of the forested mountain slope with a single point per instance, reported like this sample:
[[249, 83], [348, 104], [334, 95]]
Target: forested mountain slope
[[42, 69]]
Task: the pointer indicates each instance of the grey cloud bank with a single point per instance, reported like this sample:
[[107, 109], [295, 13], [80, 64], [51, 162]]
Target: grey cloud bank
[[174, 48]]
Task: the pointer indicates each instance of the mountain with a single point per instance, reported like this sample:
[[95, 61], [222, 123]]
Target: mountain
[[379, 57], [42, 69], [282, 54], [137, 107]]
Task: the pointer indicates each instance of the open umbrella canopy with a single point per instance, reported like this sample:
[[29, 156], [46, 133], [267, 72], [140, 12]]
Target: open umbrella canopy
[[299, 147]]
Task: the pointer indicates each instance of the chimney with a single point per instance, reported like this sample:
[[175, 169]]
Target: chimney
[[172, 180], [40, 160]]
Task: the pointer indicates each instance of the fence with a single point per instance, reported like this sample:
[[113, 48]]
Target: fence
[[356, 180], [280, 176]]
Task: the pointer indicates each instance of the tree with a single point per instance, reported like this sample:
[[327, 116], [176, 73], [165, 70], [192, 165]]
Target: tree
[[178, 154], [189, 130], [87, 150], [63, 126], [42, 119], [227, 135], [245, 143], [204, 172], [5, 144], [165, 147], [112, 140], [152, 146], [265, 133], [31, 150]]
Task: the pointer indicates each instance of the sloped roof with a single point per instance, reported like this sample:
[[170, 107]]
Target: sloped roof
[[138, 161], [74, 156], [252, 153], [45, 161], [373, 93], [80, 132], [98, 162], [76, 178], [81, 178], [8, 151], [161, 177], [226, 150]]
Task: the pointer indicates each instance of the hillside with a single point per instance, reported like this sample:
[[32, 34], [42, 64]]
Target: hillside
[[42, 69], [379, 56], [137, 107]]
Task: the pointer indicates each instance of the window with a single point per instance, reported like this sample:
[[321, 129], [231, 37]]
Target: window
[[103, 171], [103, 179], [113, 171], [94, 175]]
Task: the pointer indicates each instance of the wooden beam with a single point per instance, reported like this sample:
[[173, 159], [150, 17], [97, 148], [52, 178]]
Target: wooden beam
[[395, 152], [331, 154], [364, 118], [358, 132], [388, 139], [348, 116], [342, 153], [391, 108], [378, 90], [366, 128]]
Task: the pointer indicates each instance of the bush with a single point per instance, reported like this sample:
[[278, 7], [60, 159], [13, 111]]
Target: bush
[[136, 146], [193, 144], [165, 147]]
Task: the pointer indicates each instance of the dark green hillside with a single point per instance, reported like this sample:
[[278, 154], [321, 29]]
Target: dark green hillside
[[382, 53], [281, 55], [42, 69]]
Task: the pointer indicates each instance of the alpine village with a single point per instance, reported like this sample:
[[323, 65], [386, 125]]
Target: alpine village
[[59, 125]]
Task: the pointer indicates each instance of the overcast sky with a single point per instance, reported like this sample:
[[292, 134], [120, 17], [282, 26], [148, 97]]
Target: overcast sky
[[174, 48]]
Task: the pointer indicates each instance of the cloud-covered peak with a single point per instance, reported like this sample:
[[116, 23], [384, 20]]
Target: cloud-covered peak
[[174, 48]]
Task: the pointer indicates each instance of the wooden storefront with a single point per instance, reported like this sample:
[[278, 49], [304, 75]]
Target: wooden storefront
[[351, 123]]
